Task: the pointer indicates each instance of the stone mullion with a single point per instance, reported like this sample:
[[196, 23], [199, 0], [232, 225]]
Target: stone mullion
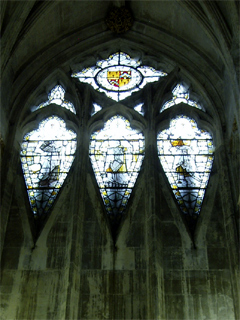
[[230, 228], [79, 196], [153, 243]]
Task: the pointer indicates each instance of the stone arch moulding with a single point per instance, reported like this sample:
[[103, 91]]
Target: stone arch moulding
[[111, 109], [67, 62], [97, 121]]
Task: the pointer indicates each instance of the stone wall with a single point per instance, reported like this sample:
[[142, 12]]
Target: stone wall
[[72, 266], [153, 270]]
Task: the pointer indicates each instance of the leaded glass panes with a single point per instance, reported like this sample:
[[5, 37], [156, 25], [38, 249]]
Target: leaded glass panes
[[181, 94], [116, 153], [118, 76], [46, 155], [186, 155], [56, 96], [139, 108], [96, 108]]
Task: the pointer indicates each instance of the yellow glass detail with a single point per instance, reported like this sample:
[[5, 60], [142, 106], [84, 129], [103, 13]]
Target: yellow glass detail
[[119, 78], [182, 171], [177, 143], [135, 158]]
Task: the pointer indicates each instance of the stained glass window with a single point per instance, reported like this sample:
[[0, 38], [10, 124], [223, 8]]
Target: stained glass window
[[116, 153], [56, 96], [186, 155], [46, 156], [181, 94], [118, 76]]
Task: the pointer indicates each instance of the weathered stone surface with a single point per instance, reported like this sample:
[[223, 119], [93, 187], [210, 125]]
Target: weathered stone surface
[[153, 268]]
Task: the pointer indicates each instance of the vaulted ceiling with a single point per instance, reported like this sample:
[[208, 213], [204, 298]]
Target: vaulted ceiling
[[199, 37]]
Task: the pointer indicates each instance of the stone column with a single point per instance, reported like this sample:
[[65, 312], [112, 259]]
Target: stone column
[[155, 282]]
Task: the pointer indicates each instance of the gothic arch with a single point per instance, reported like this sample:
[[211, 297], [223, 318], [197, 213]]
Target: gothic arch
[[75, 268], [81, 92]]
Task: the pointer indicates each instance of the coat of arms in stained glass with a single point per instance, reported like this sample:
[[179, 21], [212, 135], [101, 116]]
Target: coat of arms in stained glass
[[46, 155], [186, 155], [116, 153], [118, 76]]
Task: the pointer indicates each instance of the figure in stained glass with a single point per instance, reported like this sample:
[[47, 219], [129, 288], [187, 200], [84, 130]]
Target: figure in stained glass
[[116, 153], [46, 155], [186, 155]]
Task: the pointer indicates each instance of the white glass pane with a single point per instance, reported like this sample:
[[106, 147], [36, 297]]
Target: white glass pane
[[56, 96], [186, 155], [180, 94]]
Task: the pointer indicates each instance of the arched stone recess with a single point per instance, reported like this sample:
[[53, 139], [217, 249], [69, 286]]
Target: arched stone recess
[[204, 122], [136, 122]]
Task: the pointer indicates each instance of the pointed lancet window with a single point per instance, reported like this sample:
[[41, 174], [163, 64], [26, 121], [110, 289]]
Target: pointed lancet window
[[118, 76], [181, 94], [116, 153], [56, 96], [186, 155], [46, 156]]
